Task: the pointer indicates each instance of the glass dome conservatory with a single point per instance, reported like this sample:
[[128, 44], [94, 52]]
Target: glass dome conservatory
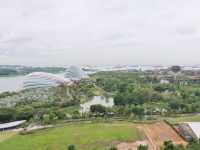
[[42, 79], [75, 73]]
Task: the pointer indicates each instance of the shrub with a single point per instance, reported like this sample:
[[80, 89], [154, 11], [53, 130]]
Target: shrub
[[71, 147], [142, 147], [113, 148]]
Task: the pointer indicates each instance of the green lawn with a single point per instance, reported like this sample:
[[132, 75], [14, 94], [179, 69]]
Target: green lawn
[[86, 136], [6, 135], [186, 118]]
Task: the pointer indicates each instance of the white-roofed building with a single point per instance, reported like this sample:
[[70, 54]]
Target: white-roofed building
[[11, 125], [195, 126]]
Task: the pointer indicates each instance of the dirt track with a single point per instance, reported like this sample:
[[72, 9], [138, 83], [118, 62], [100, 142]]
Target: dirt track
[[159, 132]]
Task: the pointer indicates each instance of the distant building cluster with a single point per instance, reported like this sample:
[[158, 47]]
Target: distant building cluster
[[42, 79]]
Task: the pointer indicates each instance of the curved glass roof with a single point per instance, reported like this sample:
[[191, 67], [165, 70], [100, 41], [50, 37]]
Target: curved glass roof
[[42, 79], [75, 73]]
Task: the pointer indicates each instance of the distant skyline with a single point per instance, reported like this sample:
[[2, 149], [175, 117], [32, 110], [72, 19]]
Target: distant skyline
[[99, 32]]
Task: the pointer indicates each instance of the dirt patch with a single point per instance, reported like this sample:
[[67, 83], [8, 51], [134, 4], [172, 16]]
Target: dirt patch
[[159, 132], [131, 146]]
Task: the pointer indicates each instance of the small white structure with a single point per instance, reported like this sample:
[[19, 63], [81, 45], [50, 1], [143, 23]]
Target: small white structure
[[163, 81], [195, 126], [97, 100], [11, 125]]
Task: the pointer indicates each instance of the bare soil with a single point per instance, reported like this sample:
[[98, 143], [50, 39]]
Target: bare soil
[[159, 132], [131, 146]]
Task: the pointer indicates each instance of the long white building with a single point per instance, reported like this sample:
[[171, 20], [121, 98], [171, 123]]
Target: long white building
[[195, 126]]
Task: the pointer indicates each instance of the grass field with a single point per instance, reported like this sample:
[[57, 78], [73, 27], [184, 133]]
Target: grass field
[[6, 135], [93, 136], [186, 118]]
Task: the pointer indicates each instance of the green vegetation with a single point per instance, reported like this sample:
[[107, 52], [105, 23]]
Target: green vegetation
[[113, 148], [6, 135], [183, 118], [21, 70], [6, 94], [142, 147], [8, 72], [136, 94], [97, 109], [193, 146], [168, 145], [144, 90], [56, 103], [71, 147], [88, 136]]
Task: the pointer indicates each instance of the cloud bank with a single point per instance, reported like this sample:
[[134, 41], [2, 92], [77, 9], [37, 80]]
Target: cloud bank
[[64, 32]]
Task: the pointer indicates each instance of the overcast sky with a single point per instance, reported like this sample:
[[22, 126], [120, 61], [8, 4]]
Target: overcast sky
[[94, 32]]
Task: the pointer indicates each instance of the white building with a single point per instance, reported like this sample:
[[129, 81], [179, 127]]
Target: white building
[[195, 126]]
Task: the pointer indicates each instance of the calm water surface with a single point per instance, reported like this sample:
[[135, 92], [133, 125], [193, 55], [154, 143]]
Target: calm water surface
[[11, 83], [14, 83]]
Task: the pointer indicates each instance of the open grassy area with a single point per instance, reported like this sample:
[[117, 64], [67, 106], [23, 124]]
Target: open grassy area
[[6, 135], [86, 136], [184, 118]]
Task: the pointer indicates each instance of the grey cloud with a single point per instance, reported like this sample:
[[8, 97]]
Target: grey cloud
[[186, 30], [92, 31]]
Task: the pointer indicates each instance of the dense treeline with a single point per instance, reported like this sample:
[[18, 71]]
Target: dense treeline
[[137, 89], [168, 145], [6, 94], [13, 71]]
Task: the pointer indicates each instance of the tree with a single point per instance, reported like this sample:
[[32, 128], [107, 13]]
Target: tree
[[138, 111], [24, 113], [142, 147], [175, 105], [7, 114], [75, 114], [175, 69], [119, 99], [46, 119], [195, 145], [71, 147], [97, 109], [163, 87], [113, 148], [168, 145]]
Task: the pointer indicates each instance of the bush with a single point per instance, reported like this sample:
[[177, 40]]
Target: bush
[[24, 113], [71, 147], [113, 148], [7, 114], [142, 147], [97, 109]]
